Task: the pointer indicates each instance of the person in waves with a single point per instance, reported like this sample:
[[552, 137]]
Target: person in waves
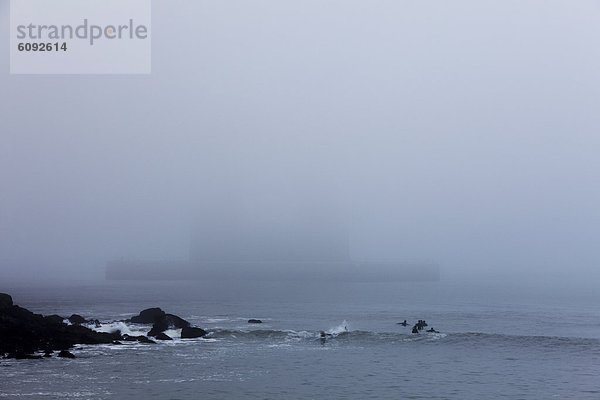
[[431, 330], [421, 324], [415, 329], [403, 323], [323, 337]]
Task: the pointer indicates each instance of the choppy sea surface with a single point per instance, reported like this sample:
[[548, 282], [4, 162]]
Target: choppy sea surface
[[494, 343]]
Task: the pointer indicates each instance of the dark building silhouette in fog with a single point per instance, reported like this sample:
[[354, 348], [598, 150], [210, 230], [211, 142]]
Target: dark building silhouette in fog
[[238, 246], [251, 242]]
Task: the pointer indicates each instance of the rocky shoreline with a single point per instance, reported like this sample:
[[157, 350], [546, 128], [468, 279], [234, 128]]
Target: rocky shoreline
[[25, 335]]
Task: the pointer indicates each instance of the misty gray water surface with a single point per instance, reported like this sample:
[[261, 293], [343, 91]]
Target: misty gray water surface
[[493, 343]]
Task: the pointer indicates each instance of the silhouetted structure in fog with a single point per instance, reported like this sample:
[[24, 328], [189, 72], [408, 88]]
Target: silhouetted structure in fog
[[237, 246]]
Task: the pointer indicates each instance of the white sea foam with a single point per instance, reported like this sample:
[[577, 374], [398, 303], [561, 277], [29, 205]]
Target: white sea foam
[[216, 320], [341, 328], [208, 340], [129, 329], [173, 333], [437, 335], [301, 334]]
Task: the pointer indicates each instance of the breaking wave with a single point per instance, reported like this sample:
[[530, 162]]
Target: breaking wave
[[468, 339], [338, 333], [123, 327], [343, 333]]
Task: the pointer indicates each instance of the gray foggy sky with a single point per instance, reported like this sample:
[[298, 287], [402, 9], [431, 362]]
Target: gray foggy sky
[[462, 132]]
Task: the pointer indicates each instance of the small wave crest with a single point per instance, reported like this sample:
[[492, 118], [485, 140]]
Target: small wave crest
[[341, 328], [340, 333], [124, 328], [343, 333], [545, 342]]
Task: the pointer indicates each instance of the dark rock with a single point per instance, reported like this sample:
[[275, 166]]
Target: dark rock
[[129, 338], [176, 322], [144, 339], [148, 316], [82, 335], [76, 319], [163, 336], [191, 332], [254, 321], [24, 333], [141, 339], [159, 327], [65, 354], [160, 320], [54, 319], [152, 315], [117, 333], [5, 300], [167, 321]]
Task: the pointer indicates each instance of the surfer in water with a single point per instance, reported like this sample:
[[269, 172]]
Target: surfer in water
[[403, 323], [421, 324], [323, 336], [431, 330]]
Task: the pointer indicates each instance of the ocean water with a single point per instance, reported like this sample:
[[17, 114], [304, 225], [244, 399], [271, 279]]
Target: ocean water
[[495, 342]]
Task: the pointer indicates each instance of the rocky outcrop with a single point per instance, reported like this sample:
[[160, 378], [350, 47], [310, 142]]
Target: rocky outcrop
[[148, 316], [160, 320], [54, 319], [159, 327], [76, 319], [192, 333], [176, 322], [5, 301], [65, 354], [23, 333], [141, 339]]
